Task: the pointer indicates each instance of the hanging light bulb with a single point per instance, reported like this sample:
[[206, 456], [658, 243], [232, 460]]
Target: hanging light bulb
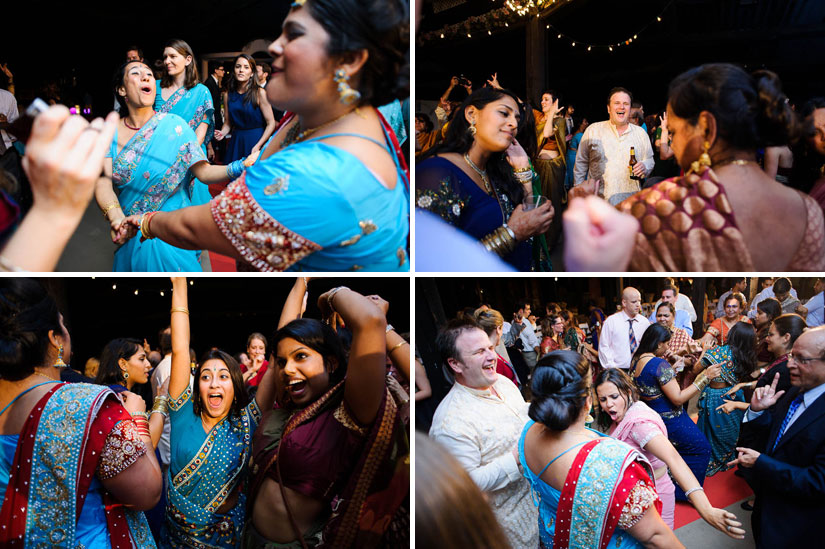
[[589, 48], [162, 294], [574, 44], [136, 292], [114, 286], [610, 48], [658, 19]]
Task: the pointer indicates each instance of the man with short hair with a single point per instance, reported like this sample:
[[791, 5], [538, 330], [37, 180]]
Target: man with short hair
[[623, 331], [604, 151], [739, 286], [788, 475], [783, 291], [134, 53], [479, 422], [682, 318], [531, 346], [814, 308]]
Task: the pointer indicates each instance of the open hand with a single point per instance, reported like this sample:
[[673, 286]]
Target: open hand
[[493, 81], [725, 522]]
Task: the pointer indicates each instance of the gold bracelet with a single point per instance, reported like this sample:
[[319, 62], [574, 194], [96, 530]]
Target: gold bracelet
[[701, 381], [396, 346], [110, 206], [179, 310], [522, 170], [331, 295]]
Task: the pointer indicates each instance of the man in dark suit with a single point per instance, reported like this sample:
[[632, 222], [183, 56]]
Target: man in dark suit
[[213, 82], [788, 477]]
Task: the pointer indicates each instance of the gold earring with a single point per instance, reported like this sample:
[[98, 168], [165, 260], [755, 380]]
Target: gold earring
[[704, 159], [472, 129], [59, 363], [347, 95], [125, 376]]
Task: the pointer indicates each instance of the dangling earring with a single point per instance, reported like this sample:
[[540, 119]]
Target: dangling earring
[[472, 129], [704, 159], [125, 375], [348, 96], [59, 363]]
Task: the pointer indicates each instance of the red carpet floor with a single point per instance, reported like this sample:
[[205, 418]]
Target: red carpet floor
[[722, 489]]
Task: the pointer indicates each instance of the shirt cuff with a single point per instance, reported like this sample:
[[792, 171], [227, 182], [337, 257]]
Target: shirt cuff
[[750, 415]]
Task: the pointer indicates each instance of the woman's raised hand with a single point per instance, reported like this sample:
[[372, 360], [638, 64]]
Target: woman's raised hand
[[766, 396], [516, 156], [383, 304], [532, 222]]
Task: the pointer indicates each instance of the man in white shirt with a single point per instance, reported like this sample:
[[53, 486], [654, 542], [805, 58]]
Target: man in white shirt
[[782, 289], [531, 346], [616, 344], [739, 286], [479, 422], [604, 151], [682, 318], [814, 309]]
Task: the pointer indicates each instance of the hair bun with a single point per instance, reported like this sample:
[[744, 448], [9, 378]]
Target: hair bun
[[777, 122], [559, 389]]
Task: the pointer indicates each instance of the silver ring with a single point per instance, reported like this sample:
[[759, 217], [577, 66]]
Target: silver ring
[[91, 128], [728, 527]]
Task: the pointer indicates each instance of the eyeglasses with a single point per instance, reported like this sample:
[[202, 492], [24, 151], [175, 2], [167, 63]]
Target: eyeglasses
[[735, 306], [803, 360]]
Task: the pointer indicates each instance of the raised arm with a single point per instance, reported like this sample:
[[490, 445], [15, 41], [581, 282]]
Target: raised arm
[[179, 378], [365, 384], [295, 302], [398, 350]]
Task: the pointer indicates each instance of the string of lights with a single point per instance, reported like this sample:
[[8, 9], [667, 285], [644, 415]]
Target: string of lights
[[515, 13], [129, 287]]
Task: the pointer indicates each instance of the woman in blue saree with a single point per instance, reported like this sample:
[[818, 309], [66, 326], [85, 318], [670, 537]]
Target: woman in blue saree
[[591, 490], [331, 190], [737, 358], [659, 389], [152, 162], [180, 92], [212, 425]]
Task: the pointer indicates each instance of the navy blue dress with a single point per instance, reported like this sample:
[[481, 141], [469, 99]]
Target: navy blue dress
[[681, 431], [247, 123]]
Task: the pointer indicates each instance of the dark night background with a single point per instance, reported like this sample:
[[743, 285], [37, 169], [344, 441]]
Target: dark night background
[[440, 299], [784, 36], [80, 45], [224, 310]]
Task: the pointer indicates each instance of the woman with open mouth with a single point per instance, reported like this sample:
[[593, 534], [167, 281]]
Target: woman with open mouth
[[331, 191], [632, 421], [334, 448], [152, 162], [212, 424]]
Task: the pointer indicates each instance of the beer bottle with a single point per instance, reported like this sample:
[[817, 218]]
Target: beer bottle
[[633, 163]]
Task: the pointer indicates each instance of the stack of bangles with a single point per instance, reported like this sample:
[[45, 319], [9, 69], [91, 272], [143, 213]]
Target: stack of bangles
[[161, 406], [701, 381], [523, 175], [145, 219], [142, 422], [235, 169], [502, 241]]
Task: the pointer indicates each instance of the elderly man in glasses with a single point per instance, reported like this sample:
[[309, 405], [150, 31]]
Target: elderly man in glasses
[[788, 476]]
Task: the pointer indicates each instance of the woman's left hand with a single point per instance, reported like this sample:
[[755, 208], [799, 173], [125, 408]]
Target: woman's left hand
[[516, 156], [726, 522], [253, 156]]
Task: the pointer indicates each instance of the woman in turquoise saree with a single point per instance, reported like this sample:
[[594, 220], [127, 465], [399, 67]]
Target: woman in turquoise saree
[[180, 92], [153, 160], [212, 424], [591, 490], [331, 191]]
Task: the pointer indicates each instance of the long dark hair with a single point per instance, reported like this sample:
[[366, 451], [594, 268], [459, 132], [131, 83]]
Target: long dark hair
[[458, 139], [790, 323], [742, 344], [27, 314], [252, 92], [109, 372], [653, 336], [241, 396], [771, 307], [190, 79]]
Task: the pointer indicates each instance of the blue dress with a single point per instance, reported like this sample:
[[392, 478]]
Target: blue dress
[[151, 173], [681, 431], [721, 429], [315, 207], [195, 106], [247, 122], [445, 190], [572, 149], [204, 470], [546, 498]]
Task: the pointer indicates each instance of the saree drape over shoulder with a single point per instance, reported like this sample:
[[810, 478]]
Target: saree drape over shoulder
[[606, 492], [195, 106], [76, 436], [688, 224], [204, 471], [151, 173], [315, 207]]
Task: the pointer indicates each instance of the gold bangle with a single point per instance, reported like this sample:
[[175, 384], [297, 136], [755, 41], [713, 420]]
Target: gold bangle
[[522, 170], [110, 206], [331, 295], [179, 310], [396, 346]]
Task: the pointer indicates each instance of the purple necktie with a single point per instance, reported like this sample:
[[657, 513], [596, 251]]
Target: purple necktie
[[632, 336]]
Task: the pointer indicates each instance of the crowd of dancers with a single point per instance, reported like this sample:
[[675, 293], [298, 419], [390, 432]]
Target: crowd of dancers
[[586, 440], [312, 453]]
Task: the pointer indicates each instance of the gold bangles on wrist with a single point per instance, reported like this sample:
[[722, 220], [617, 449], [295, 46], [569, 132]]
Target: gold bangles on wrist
[[161, 406], [108, 207], [502, 241], [145, 219], [179, 310], [331, 295], [523, 175], [701, 381]]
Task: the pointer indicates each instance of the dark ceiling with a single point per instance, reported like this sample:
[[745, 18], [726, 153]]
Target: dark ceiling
[[782, 35]]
